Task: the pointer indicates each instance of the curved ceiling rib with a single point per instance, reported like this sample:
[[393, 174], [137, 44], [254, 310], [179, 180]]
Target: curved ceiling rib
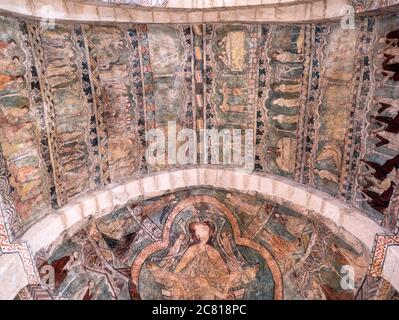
[[290, 12]]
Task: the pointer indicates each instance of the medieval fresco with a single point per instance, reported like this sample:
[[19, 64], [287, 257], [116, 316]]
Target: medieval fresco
[[282, 100], [201, 244], [20, 151], [334, 110], [78, 101], [166, 51], [110, 56], [201, 261], [171, 53], [230, 85], [62, 82], [233, 88]]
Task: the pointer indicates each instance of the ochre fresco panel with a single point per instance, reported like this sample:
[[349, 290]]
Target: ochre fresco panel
[[230, 67], [110, 50], [334, 111], [62, 61], [166, 50], [321, 102], [285, 65], [19, 129], [171, 53], [232, 95]]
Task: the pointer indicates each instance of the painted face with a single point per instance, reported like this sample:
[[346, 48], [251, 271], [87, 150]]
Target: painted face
[[202, 232]]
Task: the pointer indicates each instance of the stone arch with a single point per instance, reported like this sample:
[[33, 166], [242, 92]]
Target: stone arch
[[180, 12]]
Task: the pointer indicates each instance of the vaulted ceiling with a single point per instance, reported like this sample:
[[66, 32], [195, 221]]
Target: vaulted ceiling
[[319, 100]]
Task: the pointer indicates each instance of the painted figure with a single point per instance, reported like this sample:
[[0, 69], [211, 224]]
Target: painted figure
[[201, 273]]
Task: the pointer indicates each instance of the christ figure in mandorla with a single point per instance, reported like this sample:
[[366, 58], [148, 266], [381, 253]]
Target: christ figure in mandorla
[[201, 273]]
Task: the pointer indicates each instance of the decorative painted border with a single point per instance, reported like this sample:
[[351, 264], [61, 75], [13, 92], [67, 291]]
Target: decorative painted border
[[361, 98], [263, 96], [90, 102], [49, 111], [381, 244], [22, 248], [99, 110], [147, 77], [209, 110], [302, 101], [374, 288], [7, 217], [137, 80], [199, 86], [187, 38], [315, 101], [263, 84], [253, 68], [36, 99], [146, 3]]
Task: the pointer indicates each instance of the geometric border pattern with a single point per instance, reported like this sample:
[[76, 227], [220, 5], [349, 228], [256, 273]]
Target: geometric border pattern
[[7, 216], [22, 248], [381, 244]]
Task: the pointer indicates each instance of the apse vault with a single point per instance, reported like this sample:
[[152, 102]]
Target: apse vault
[[188, 150]]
